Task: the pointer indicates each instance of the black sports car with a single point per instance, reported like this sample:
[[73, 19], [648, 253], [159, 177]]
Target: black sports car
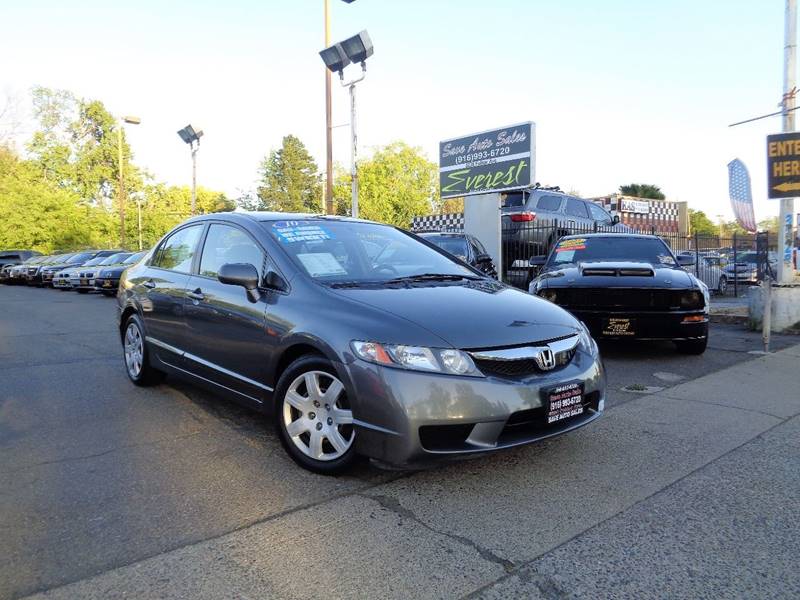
[[626, 286]]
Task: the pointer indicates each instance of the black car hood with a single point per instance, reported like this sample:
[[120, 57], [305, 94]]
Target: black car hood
[[471, 315], [585, 275]]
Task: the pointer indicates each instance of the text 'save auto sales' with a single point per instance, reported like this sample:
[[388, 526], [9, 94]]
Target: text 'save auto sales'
[[490, 161]]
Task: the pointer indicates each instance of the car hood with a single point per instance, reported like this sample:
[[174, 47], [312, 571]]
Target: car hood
[[591, 275], [480, 314]]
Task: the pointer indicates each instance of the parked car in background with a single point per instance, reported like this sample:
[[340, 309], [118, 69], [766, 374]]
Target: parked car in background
[[708, 270], [63, 277], [520, 210], [14, 273], [463, 246], [54, 265], [107, 277], [627, 287], [745, 269], [404, 356], [31, 272], [82, 279], [15, 257]]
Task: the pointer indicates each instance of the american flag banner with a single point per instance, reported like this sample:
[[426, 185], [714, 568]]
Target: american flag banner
[[740, 194]]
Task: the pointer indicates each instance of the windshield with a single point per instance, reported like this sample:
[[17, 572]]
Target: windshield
[[337, 251], [98, 260], [453, 245], [571, 251], [114, 258], [79, 258], [133, 258], [750, 257]]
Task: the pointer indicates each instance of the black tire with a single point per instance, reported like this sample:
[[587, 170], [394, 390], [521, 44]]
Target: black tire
[[301, 366], [692, 346], [80, 291], [146, 374], [722, 285], [105, 293]]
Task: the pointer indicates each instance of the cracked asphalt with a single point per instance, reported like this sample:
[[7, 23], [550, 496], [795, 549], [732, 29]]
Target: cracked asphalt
[[111, 491]]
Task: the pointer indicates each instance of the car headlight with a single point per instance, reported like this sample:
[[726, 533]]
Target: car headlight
[[549, 295], [692, 300], [417, 358], [585, 339]]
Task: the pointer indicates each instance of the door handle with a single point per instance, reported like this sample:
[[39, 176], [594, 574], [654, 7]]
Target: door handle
[[196, 295], [149, 284]]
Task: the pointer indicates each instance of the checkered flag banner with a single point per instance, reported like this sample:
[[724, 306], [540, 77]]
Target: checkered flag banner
[[741, 196]]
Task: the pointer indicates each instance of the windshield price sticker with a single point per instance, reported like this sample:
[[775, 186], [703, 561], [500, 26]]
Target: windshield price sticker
[[300, 231], [576, 244], [321, 264]]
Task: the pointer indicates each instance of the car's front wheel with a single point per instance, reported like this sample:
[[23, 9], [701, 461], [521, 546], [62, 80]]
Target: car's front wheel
[[313, 416], [137, 359], [722, 286]]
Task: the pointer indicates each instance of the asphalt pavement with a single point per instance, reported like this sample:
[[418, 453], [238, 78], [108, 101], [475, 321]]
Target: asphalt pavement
[[686, 488]]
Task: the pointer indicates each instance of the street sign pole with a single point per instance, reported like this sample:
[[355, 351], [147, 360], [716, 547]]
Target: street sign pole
[[785, 221]]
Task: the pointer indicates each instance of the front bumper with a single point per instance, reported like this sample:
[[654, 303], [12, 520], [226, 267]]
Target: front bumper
[[646, 325], [106, 284], [411, 418]]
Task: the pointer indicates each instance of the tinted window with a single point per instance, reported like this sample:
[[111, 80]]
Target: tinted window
[[134, 258], [598, 214], [226, 244], [340, 251], [79, 258], [576, 208], [177, 251], [512, 199], [617, 248], [453, 245], [551, 203]]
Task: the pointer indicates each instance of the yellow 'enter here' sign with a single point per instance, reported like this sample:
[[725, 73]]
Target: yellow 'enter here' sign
[[783, 165]]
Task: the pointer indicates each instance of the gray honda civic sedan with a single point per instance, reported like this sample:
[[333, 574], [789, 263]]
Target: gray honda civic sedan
[[358, 338]]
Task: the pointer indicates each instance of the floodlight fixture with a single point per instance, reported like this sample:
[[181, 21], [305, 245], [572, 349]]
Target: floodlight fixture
[[335, 58], [359, 47], [130, 119], [190, 135]]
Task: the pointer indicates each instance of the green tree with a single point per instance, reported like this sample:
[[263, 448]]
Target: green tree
[[395, 184], [642, 190], [290, 181], [701, 224], [769, 224]]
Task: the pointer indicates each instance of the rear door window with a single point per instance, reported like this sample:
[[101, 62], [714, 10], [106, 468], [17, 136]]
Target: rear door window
[[576, 208], [549, 203]]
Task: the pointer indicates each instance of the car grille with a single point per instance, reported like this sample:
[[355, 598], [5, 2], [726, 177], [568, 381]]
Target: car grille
[[514, 363], [618, 298]]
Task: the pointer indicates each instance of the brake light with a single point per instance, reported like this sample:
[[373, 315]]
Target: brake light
[[522, 217]]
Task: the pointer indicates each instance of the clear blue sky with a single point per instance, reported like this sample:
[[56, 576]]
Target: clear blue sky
[[620, 91]]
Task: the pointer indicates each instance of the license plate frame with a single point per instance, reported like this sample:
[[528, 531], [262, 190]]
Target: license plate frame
[[563, 402], [619, 327]]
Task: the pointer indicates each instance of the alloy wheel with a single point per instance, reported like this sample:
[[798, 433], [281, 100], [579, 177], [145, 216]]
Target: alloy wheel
[[134, 350], [316, 416]]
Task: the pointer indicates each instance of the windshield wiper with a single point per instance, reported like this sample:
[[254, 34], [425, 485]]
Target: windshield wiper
[[432, 277]]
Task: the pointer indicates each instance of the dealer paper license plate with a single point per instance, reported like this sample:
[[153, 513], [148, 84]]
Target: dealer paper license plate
[[564, 402]]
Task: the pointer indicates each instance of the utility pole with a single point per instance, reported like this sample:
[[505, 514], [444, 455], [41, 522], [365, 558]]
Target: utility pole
[[354, 139], [328, 123], [786, 216], [121, 190], [195, 148]]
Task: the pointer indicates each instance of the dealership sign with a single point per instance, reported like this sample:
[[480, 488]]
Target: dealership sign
[[783, 165], [490, 161], [634, 206]]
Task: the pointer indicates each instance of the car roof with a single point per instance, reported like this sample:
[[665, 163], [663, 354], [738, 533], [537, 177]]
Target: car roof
[[611, 235], [260, 216]]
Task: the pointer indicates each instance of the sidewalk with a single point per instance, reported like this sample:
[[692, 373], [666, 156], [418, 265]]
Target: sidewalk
[[690, 492]]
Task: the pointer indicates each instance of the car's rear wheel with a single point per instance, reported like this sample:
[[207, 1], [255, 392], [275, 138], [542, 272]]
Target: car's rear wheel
[[692, 346], [137, 359], [722, 286], [313, 416]]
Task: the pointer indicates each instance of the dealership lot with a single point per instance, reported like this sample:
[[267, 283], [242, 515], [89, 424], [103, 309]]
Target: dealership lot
[[112, 491]]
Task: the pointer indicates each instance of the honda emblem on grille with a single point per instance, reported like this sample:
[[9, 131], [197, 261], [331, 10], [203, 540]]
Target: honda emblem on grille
[[546, 359]]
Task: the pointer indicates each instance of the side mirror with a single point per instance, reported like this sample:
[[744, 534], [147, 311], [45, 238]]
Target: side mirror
[[242, 274], [685, 260], [482, 258], [615, 220], [537, 261]]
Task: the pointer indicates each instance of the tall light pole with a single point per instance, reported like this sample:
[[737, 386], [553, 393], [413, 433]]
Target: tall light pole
[[329, 119], [355, 49], [786, 217], [191, 135], [121, 166]]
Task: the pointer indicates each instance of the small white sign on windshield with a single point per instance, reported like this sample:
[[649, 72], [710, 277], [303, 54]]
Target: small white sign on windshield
[[320, 264]]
